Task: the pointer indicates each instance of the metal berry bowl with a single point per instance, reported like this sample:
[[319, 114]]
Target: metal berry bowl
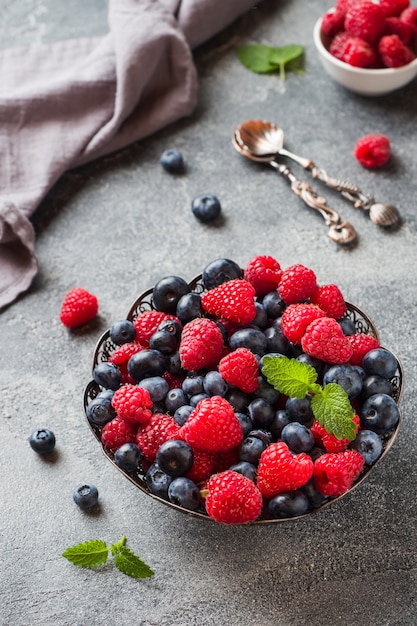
[[101, 390]]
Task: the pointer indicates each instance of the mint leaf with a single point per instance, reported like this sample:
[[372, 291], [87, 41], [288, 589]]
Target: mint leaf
[[127, 562], [89, 554], [116, 547], [284, 56], [290, 377], [333, 410], [263, 59]]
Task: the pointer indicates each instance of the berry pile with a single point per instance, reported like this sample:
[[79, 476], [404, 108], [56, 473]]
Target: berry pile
[[186, 405], [369, 34]]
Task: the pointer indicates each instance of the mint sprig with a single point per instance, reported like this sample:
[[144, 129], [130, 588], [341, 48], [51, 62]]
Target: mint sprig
[[330, 404], [94, 553], [263, 59]]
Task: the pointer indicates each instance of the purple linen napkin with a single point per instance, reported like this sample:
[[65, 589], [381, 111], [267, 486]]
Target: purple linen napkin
[[65, 104]]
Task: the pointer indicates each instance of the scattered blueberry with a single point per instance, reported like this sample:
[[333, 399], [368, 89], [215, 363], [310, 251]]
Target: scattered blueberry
[[85, 496], [206, 207], [280, 420], [172, 161], [184, 493], [165, 342], [369, 444], [128, 457], [42, 441], [122, 332], [245, 422], [347, 325], [276, 340], [274, 304], [219, 271]]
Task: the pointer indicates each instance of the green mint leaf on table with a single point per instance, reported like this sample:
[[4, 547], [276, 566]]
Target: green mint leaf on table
[[330, 404], [89, 554], [264, 59], [127, 562]]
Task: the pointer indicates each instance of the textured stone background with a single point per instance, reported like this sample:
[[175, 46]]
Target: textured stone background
[[115, 227]]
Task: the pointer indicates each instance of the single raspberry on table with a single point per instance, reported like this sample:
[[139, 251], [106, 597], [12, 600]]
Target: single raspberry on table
[[146, 324], [263, 273], [78, 307], [297, 317], [159, 429], [372, 150], [324, 340], [330, 299], [394, 53], [201, 344], [212, 426], [329, 441], [231, 498], [240, 369], [395, 26], [233, 300], [393, 8], [361, 344], [365, 20], [133, 404], [117, 432], [279, 470], [335, 473], [297, 283]]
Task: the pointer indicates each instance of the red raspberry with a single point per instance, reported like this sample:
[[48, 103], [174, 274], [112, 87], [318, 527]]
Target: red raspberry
[[203, 466], [121, 356], [365, 20], [334, 474], [212, 426], [232, 498], [328, 440], [160, 428], [225, 460], [359, 53], [361, 345], [279, 470], [393, 8], [233, 300], [117, 432], [372, 151], [324, 340], [174, 381], [133, 404], [332, 22], [330, 299], [338, 45], [201, 344], [78, 307], [240, 369], [394, 52], [147, 323], [263, 273], [409, 16], [395, 26], [297, 284], [296, 318]]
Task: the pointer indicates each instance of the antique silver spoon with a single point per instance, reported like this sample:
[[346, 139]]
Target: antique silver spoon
[[264, 141], [340, 232]]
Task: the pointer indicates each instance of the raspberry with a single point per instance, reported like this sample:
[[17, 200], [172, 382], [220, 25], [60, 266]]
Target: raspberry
[[160, 428], [359, 53], [332, 22], [361, 345], [329, 441], [225, 460], [240, 369], [121, 356], [330, 299], [338, 45], [232, 498], [365, 20], [78, 307], [394, 52], [297, 284], [212, 426], [409, 16], [372, 151], [203, 466], [233, 300], [279, 470], [263, 273], [334, 474], [133, 404], [201, 344], [324, 340], [395, 26], [174, 381], [147, 323], [296, 318], [117, 432], [393, 8]]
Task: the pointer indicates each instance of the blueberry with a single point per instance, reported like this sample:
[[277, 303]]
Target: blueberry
[[288, 504], [315, 498], [157, 387], [172, 161], [263, 434], [274, 304], [206, 207], [379, 413], [219, 271], [376, 384], [184, 493], [194, 400], [280, 420], [299, 410], [276, 340], [251, 338], [122, 332], [347, 377], [266, 391], [347, 325], [175, 457], [250, 449], [369, 444], [214, 384], [261, 318], [171, 327], [238, 399], [189, 307], [298, 437], [107, 375], [42, 441], [245, 422], [100, 410], [261, 412], [167, 293], [158, 481], [182, 414], [165, 342], [309, 360], [173, 364], [192, 385], [147, 362], [174, 399], [246, 469], [128, 457], [85, 496], [381, 362]]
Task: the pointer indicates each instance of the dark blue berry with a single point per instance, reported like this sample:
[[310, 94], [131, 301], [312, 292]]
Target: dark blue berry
[[348, 326], [245, 422], [369, 444], [128, 457], [122, 332], [299, 410], [85, 496], [298, 437], [263, 434], [167, 337], [381, 362], [246, 469], [309, 360], [276, 340], [175, 457], [147, 362], [266, 391], [107, 375], [250, 449], [261, 318], [192, 385], [194, 400], [182, 414], [261, 412], [173, 364], [315, 498], [376, 384], [347, 377], [280, 420], [174, 399], [220, 271], [206, 207], [189, 307], [379, 413], [288, 504], [214, 384], [172, 161], [42, 441], [167, 293], [273, 304], [238, 399], [184, 493], [157, 387], [100, 410], [158, 481], [251, 338]]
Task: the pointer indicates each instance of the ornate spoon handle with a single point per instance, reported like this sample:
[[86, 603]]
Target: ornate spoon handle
[[349, 190]]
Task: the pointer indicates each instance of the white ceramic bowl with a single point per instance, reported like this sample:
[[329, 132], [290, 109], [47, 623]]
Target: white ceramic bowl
[[362, 81]]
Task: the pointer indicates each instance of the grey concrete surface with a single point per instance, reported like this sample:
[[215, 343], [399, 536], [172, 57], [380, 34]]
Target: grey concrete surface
[[115, 227]]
